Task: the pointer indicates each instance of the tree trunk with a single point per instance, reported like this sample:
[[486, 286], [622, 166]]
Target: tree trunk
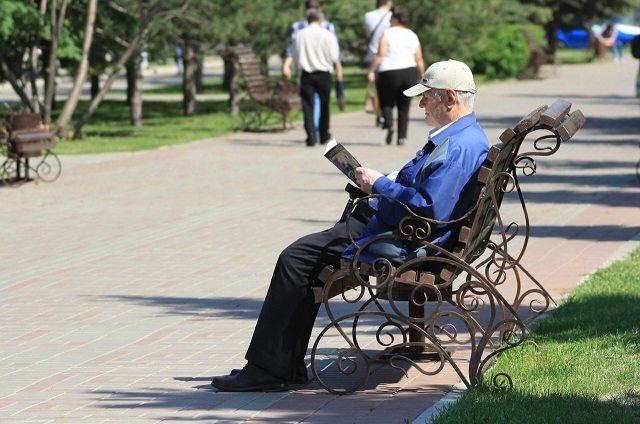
[[56, 32], [234, 89], [8, 74], [130, 73], [199, 74], [33, 66], [552, 34], [136, 95], [72, 101], [189, 78], [228, 72], [95, 85], [133, 47]]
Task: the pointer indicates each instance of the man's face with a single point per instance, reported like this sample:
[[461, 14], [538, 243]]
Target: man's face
[[431, 102]]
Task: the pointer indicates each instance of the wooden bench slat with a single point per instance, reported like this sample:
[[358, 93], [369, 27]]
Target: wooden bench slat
[[555, 113], [35, 147], [31, 137], [507, 135], [570, 125], [531, 119]]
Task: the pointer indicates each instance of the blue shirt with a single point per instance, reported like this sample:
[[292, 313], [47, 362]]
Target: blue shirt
[[297, 26], [438, 184]]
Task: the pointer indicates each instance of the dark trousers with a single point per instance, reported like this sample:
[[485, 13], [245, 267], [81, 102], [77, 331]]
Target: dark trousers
[[391, 84], [281, 336], [311, 83]]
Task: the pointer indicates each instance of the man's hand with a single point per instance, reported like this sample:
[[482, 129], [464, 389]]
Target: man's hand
[[286, 68], [365, 178]]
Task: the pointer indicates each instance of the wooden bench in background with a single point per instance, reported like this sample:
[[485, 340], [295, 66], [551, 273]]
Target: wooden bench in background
[[267, 96], [478, 298], [25, 138]]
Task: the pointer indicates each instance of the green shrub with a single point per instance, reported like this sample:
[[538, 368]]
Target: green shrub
[[505, 56]]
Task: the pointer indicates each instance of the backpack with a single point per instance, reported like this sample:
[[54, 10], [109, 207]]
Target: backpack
[[635, 47]]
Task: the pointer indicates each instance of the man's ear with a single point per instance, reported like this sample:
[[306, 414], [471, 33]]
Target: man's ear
[[452, 97]]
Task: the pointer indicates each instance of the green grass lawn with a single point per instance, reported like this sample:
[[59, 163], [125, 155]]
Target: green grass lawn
[[109, 130], [586, 369]]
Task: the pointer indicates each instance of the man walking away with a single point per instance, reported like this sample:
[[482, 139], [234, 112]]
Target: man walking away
[[316, 54]]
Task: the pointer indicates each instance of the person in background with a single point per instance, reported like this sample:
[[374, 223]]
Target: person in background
[[608, 39], [376, 22], [316, 54], [437, 183], [398, 64], [286, 64], [178, 51], [635, 52]]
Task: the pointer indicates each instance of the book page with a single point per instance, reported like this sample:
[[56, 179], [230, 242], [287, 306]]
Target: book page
[[342, 159]]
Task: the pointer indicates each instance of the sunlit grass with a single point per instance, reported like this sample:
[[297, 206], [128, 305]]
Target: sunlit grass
[[586, 370], [109, 129]]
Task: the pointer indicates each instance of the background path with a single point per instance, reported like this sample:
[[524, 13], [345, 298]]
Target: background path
[[134, 278]]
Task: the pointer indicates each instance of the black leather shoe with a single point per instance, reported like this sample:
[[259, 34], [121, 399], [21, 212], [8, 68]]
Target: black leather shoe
[[325, 139], [302, 378], [250, 379], [390, 132]]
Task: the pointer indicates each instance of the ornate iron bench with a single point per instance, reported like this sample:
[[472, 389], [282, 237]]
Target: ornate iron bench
[[281, 97], [22, 139], [462, 306]]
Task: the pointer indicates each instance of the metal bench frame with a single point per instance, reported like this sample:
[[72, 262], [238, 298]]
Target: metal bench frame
[[408, 312]]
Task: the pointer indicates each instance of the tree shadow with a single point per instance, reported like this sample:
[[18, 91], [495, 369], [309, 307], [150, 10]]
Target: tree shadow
[[221, 307]]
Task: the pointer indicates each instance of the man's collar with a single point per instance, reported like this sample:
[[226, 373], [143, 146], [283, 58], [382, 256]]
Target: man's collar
[[438, 134]]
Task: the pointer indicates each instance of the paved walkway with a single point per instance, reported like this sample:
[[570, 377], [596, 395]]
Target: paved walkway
[[133, 279]]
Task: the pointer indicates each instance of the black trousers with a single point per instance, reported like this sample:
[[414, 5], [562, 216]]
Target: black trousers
[[281, 336], [311, 83], [391, 84]]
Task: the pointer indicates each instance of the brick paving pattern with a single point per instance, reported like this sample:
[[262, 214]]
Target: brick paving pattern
[[134, 278]]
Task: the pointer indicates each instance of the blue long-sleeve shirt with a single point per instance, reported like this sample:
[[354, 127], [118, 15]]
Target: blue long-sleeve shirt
[[438, 183]]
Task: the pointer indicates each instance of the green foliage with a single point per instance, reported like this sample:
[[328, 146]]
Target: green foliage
[[586, 9], [506, 54], [18, 24], [16, 17]]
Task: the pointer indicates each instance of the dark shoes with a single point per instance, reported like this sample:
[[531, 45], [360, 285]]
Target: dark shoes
[[390, 132], [250, 379], [325, 139]]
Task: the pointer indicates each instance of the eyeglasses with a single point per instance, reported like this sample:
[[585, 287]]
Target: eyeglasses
[[434, 93]]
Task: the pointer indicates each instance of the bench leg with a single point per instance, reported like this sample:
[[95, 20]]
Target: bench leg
[[18, 166], [416, 311], [26, 169]]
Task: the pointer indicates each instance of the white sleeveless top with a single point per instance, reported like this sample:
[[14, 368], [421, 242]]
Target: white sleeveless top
[[402, 44]]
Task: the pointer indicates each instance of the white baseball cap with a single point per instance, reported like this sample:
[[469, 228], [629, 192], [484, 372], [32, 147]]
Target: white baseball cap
[[447, 74]]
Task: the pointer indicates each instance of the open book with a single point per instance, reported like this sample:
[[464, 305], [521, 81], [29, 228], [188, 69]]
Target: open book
[[342, 159]]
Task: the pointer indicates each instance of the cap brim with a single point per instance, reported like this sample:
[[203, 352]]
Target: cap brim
[[416, 90]]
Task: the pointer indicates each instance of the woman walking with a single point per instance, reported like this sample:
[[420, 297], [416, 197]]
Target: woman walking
[[399, 65]]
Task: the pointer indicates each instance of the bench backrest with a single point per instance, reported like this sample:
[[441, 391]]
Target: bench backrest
[[499, 172], [23, 121], [257, 84]]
